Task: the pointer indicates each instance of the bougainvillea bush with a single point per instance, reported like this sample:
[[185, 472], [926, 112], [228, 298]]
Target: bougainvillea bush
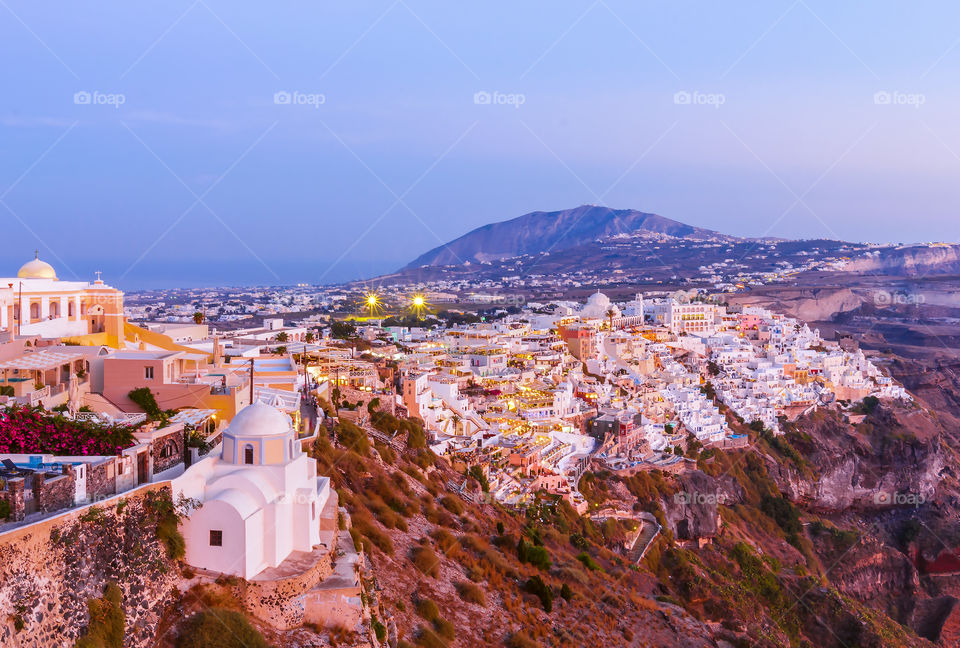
[[25, 430]]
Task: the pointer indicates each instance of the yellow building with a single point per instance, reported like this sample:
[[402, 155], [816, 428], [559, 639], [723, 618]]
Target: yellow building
[[37, 303]]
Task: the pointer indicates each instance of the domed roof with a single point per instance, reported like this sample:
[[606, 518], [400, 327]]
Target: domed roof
[[37, 269], [597, 306], [259, 419], [598, 299]]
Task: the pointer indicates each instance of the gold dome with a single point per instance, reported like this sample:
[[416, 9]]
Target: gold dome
[[37, 269]]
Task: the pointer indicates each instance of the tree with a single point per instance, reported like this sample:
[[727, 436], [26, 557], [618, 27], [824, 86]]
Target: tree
[[611, 313], [310, 337], [198, 317], [342, 330], [282, 336]]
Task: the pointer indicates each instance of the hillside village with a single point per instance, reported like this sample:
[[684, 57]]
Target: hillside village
[[98, 409]]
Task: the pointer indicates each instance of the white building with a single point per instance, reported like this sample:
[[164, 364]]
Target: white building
[[261, 498]]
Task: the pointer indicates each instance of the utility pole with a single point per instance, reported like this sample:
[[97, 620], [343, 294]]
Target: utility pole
[[251, 381]]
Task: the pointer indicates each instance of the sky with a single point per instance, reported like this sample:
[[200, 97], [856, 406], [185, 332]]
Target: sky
[[214, 142]]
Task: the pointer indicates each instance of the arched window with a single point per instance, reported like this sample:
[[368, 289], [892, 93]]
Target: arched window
[[169, 449], [248, 454], [54, 310], [34, 311], [83, 308], [71, 308]]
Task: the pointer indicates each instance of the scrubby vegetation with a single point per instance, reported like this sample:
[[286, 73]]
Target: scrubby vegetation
[[220, 628], [107, 621]]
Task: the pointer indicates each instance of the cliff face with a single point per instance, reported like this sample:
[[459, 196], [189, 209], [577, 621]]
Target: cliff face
[[49, 572], [910, 261], [692, 513], [893, 458]]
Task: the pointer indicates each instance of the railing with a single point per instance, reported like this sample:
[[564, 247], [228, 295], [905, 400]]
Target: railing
[[34, 397]]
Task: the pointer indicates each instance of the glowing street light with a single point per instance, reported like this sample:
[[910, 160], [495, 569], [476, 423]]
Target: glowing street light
[[371, 304], [418, 304]]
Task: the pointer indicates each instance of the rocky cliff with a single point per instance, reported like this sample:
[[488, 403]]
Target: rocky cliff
[[49, 571]]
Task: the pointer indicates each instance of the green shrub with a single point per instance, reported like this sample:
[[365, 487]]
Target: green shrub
[[537, 556], [416, 438], [107, 621], [220, 628], [541, 590], [147, 402], [566, 593], [353, 437], [5, 509], [378, 629], [588, 562]]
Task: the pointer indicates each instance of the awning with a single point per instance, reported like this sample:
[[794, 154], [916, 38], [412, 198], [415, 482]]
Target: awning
[[41, 360], [193, 417]]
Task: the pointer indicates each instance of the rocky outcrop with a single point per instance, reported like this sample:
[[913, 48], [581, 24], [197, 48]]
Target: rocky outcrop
[[692, 513], [893, 459]]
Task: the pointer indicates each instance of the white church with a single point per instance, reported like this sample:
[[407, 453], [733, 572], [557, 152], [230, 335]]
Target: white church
[[261, 497]]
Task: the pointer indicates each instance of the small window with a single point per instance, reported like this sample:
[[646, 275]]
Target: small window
[[148, 373], [313, 510], [248, 454], [216, 538]]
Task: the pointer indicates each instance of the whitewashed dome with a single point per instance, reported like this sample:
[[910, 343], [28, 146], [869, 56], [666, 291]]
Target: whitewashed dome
[[37, 269], [597, 306], [259, 420], [260, 434]]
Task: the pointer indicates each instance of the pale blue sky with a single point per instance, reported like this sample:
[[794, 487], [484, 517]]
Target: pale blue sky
[[399, 157]]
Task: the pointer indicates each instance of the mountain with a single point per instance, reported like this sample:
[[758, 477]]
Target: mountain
[[539, 231]]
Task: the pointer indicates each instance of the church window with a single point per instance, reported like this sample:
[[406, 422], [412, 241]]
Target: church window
[[148, 373], [71, 309], [248, 454], [216, 538]]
